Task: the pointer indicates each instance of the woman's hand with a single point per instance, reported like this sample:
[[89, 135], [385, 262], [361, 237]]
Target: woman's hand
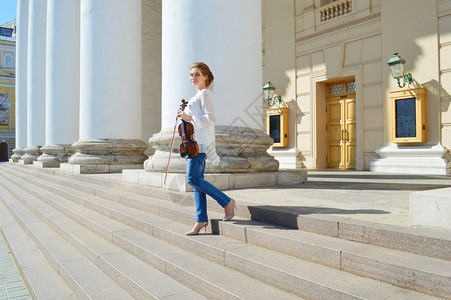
[[182, 115]]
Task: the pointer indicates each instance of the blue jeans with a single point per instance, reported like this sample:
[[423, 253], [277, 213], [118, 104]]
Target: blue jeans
[[195, 170]]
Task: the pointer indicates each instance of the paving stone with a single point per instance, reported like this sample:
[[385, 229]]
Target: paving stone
[[12, 284]]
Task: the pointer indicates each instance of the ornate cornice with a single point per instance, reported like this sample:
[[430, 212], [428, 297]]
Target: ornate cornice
[[339, 27]]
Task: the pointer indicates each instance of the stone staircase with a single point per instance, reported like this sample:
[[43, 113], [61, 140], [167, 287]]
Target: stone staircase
[[91, 236]]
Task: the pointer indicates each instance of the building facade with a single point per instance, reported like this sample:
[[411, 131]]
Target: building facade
[[327, 59], [7, 89], [337, 83]]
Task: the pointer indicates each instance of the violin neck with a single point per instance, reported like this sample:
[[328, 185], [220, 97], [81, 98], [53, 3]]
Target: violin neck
[[184, 128]]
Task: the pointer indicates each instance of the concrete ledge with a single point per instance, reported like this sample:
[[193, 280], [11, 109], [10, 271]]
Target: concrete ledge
[[423, 159], [431, 208], [420, 241], [25, 162], [288, 158], [96, 169], [46, 164], [224, 181]]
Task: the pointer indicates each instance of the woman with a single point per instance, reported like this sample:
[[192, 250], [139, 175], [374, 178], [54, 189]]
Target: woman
[[200, 111]]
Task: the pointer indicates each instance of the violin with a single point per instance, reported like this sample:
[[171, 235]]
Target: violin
[[188, 147]]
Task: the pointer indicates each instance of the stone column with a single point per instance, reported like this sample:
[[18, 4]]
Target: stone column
[[226, 35], [35, 80], [110, 88], [21, 79], [62, 81]]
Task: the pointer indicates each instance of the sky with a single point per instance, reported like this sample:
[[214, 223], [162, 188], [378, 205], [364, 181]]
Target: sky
[[8, 10]]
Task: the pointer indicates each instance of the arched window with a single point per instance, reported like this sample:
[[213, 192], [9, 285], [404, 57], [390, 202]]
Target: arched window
[[8, 61]]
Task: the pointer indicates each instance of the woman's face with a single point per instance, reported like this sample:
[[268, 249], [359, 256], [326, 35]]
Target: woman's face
[[197, 79]]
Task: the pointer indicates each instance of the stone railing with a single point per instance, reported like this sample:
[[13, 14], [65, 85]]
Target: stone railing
[[335, 10]]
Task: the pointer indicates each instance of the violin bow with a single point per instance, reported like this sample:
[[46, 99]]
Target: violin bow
[[170, 151]]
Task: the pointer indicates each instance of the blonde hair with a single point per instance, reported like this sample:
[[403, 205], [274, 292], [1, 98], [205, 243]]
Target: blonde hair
[[205, 70]]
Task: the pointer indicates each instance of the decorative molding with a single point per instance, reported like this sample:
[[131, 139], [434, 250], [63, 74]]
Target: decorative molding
[[370, 83], [373, 106], [339, 27], [374, 129], [335, 10], [304, 132], [7, 135]]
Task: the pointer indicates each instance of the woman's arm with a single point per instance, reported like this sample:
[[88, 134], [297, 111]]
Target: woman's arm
[[208, 116]]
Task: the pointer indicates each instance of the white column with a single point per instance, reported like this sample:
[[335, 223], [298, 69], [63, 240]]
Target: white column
[[62, 81], [35, 80], [110, 87], [226, 35], [21, 79]]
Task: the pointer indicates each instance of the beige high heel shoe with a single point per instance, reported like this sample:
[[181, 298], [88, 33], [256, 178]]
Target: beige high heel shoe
[[193, 232], [230, 217]]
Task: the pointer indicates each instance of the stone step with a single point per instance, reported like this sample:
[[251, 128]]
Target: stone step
[[41, 280], [403, 269], [218, 248], [338, 253], [208, 278], [420, 241], [138, 278], [84, 279]]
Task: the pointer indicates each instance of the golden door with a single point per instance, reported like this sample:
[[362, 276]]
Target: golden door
[[341, 134]]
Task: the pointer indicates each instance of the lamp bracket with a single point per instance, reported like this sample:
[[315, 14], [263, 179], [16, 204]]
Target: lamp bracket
[[406, 78]]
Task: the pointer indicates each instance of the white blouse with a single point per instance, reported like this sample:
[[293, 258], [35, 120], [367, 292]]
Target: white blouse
[[202, 109]]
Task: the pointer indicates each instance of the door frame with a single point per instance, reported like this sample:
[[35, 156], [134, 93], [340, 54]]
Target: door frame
[[344, 121], [1, 158], [318, 120]]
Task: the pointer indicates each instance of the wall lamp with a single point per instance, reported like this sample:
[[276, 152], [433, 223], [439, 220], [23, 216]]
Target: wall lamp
[[268, 93], [396, 64]]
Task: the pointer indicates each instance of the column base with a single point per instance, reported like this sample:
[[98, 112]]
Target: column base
[[424, 159], [106, 156], [241, 149], [31, 154], [223, 181], [18, 152], [53, 155], [287, 157]]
